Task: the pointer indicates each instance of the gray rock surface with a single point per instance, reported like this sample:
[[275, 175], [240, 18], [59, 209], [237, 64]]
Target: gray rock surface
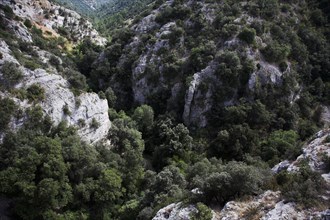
[[285, 211], [256, 207], [196, 102], [85, 107], [49, 17], [313, 152], [175, 211]]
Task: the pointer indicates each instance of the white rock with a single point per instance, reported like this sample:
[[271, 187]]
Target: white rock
[[57, 95], [196, 103], [36, 11], [281, 166], [284, 211], [175, 211], [235, 210], [267, 74]]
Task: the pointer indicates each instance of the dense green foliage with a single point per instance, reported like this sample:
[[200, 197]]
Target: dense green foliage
[[114, 14], [154, 158]]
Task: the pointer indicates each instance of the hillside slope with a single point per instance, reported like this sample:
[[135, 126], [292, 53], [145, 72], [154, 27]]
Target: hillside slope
[[196, 109]]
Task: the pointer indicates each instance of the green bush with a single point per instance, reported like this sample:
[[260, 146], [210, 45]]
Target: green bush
[[76, 80], [31, 64], [8, 11], [35, 93], [27, 23], [11, 74], [268, 8], [275, 52], [81, 123], [280, 145], [303, 187], [7, 108], [223, 182], [66, 110], [203, 212], [53, 60], [94, 124], [247, 35]]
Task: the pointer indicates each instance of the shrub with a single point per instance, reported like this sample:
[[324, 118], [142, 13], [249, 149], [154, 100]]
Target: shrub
[[111, 97], [203, 212], [76, 80], [247, 35], [81, 123], [268, 8], [94, 124], [11, 74], [280, 145], [27, 23], [31, 64], [53, 60], [7, 108], [326, 161], [327, 139], [275, 52], [223, 182], [8, 11], [66, 110], [35, 93], [303, 187]]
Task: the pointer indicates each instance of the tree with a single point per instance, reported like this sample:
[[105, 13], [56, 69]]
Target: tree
[[76, 80], [128, 143], [35, 93], [169, 141], [111, 97], [275, 52], [144, 117], [280, 145], [268, 8], [223, 182], [247, 35]]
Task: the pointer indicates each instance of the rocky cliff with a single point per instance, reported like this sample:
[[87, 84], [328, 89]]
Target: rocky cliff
[[54, 21], [182, 60], [43, 69]]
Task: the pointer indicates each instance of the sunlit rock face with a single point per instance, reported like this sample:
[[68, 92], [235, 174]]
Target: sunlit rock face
[[83, 109], [51, 19]]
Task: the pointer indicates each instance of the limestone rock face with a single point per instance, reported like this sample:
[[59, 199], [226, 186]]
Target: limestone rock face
[[50, 18], [313, 152], [257, 207], [266, 206], [83, 109], [175, 211], [265, 75], [284, 211], [198, 103]]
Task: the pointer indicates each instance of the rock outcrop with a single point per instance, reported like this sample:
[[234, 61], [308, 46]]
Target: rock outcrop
[[314, 152], [53, 20], [82, 111], [267, 206], [197, 103], [175, 211]]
